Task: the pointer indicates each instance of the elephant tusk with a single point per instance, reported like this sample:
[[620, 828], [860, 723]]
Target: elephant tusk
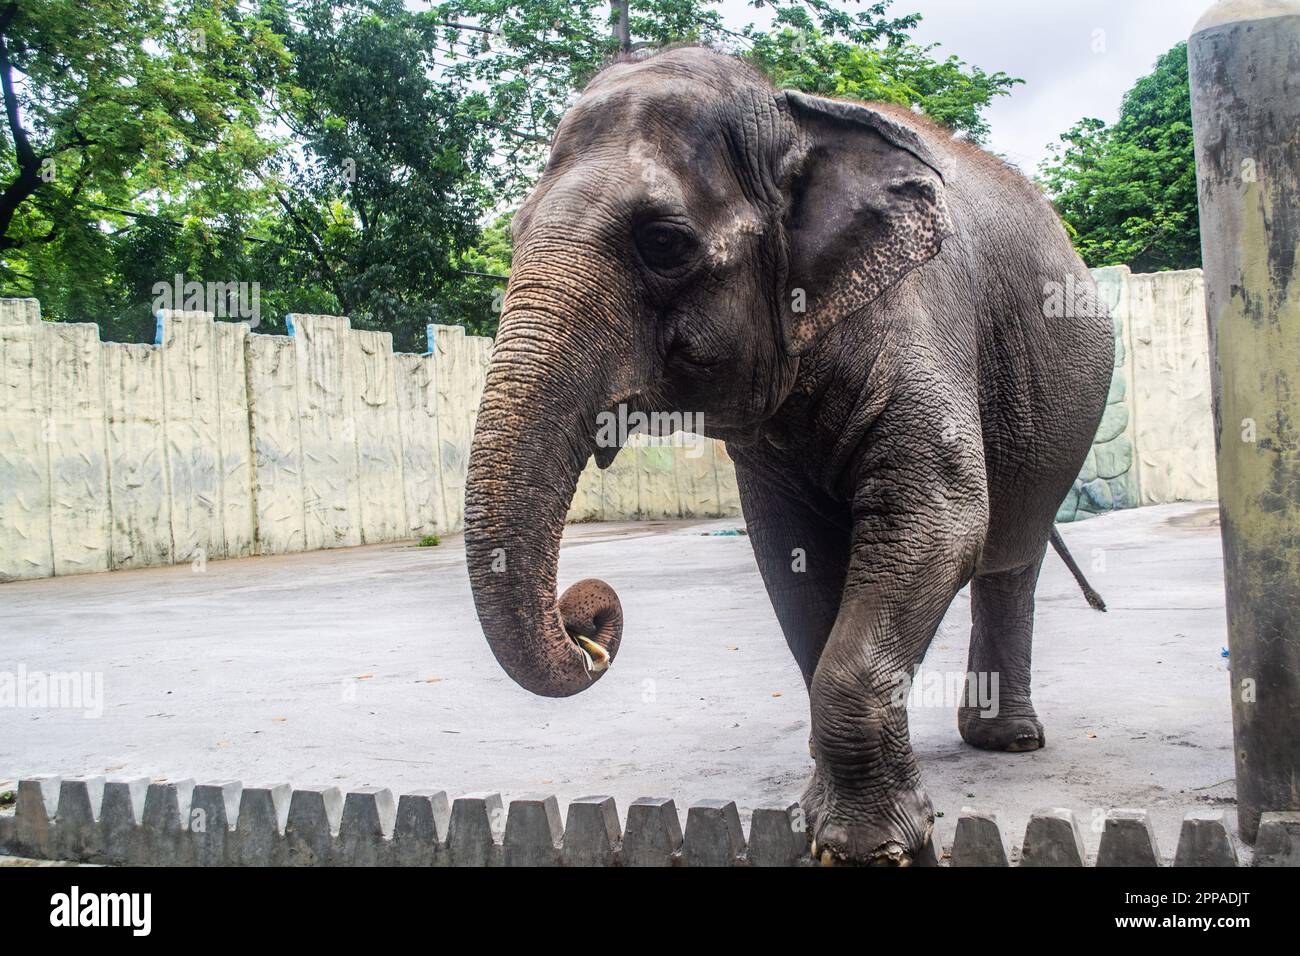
[[594, 656]]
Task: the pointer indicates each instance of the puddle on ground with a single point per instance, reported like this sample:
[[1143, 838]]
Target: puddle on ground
[[1200, 518]]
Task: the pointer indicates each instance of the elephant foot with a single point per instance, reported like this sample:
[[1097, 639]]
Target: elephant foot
[[1014, 733], [897, 833]]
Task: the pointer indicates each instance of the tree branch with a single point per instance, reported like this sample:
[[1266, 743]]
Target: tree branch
[[28, 179]]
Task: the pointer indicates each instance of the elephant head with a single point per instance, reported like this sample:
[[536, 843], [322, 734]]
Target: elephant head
[[693, 236]]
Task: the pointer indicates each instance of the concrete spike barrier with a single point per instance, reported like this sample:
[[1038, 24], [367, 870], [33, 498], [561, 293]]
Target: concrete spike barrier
[[366, 831], [1278, 843], [420, 833], [778, 837], [713, 834], [162, 838], [592, 836], [653, 836], [315, 814], [259, 830], [120, 816], [34, 809], [170, 823], [978, 840], [77, 836], [214, 809], [473, 830], [1127, 839], [929, 854], [1205, 841], [533, 832], [1052, 838]]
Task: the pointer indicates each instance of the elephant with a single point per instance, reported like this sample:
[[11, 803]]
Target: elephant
[[856, 302]]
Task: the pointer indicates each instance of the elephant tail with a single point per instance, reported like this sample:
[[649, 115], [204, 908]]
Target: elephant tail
[[1093, 598]]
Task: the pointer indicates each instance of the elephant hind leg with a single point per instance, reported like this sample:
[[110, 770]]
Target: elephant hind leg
[[997, 713]]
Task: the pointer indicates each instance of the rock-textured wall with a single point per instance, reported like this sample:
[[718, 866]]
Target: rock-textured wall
[[659, 480], [1155, 443], [1108, 480], [1173, 426], [218, 442]]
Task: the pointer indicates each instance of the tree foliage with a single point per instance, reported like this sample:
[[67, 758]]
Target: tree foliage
[[820, 49], [359, 156], [529, 58], [1127, 192], [385, 187], [116, 112]]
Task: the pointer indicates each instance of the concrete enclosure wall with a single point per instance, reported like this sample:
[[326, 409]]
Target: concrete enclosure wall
[[219, 442], [1155, 443]]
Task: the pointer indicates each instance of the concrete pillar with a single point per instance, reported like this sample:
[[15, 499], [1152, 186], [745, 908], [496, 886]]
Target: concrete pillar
[[1244, 59]]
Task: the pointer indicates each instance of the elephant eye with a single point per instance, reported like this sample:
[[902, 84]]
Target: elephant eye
[[664, 246]]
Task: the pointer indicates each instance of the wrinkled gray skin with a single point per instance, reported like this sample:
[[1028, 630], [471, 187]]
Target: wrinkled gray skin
[[914, 426]]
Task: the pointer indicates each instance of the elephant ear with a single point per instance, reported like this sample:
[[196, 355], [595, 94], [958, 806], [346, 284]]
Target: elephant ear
[[866, 206]]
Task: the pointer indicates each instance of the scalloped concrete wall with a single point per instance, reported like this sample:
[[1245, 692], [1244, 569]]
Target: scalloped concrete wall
[[218, 442], [1155, 443]]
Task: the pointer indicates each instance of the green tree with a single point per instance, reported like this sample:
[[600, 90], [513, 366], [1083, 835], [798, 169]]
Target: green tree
[[354, 157], [474, 297], [818, 48], [1127, 192], [109, 105], [385, 186], [529, 57]]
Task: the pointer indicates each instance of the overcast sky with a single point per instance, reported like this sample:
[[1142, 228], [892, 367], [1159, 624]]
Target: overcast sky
[[1077, 58]]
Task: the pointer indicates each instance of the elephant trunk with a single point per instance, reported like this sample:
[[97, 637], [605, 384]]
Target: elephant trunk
[[531, 442]]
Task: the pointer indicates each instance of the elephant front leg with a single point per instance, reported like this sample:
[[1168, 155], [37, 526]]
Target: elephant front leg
[[865, 803]]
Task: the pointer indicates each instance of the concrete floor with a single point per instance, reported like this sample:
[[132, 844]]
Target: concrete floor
[[366, 666]]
